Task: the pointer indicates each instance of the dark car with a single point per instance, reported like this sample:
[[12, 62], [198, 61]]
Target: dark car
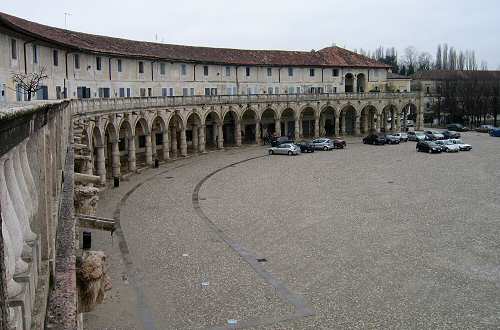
[[457, 128], [495, 132], [484, 128], [339, 143], [374, 139], [280, 140], [451, 135], [392, 139], [305, 146], [428, 146], [434, 135]]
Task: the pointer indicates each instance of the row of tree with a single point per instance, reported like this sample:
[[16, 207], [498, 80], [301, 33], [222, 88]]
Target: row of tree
[[412, 60]]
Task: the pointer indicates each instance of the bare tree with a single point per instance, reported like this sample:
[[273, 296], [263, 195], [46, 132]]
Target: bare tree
[[29, 83], [461, 61], [445, 57], [484, 65], [439, 59], [424, 61]]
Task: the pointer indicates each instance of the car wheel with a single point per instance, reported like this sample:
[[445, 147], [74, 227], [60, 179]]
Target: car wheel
[[325, 148], [429, 151], [271, 152], [290, 153]]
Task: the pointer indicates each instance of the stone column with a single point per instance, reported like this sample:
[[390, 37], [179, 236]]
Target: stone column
[[115, 155], [297, 129], [13, 288], [149, 152], [221, 136], [183, 143], [365, 122], [215, 133], [173, 142], [153, 145], [336, 123], [354, 85], [378, 123], [202, 138], [131, 154], [196, 142], [257, 132], [316, 126], [301, 127], [238, 133], [21, 180], [166, 145], [101, 164], [277, 127], [357, 125], [342, 123], [393, 121], [286, 127], [398, 122]]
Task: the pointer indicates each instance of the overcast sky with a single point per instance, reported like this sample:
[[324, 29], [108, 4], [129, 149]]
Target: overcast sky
[[281, 24]]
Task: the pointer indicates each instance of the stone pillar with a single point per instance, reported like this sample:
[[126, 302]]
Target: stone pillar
[[115, 157], [166, 145], [342, 123], [357, 125], [354, 85], [153, 145], [316, 126], [195, 141], [215, 133], [378, 123], [13, 288], [365, 122], [173, 142], [336, 123], [237, 136], [301, 127], [297, 129], [101, 164], [277, 127], [398, 122], [149, 151], [221, 136], [183, 143], [202, 138], [131, 154], [257, 132], [393, 121], [23, 187], [286, 127]]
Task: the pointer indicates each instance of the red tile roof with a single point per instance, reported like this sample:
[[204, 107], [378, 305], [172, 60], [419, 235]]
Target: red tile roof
[[330, 56]]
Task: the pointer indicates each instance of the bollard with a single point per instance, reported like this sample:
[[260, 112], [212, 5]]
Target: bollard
[[116, 182]]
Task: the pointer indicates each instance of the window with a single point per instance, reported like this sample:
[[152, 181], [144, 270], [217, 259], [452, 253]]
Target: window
[[162, 68], [76, 58], [55, 56], [128, 92], [42, 93], [213, 91], [58, 92], [98, 63], [249, 91], [103, 92], [311, 72], [235, 90], [247, 69], [142, 141], [205, 70], [228, 71], [183, 69], [150, 92], [164, 92], [290, 90], [141, 67], [207, 91], [269, 73], [428, 90], [269, 90], [35, 54], [184, 91], [290, 72], [142, 92], [13, 48], [228, 91], [334, 89], [298, 89], [276, 90], [119, 65], [335, 72], [191, 91], [171, 89], [122, 92]]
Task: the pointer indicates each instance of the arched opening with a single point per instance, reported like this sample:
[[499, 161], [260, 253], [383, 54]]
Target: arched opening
[[347, 120], [212, 130], [368, 119], [141, 130], [125, 139], [158, 130], [229, 128], [193, 128], [327, 122], [349, 83], [268, 123], [389, 118], [307, 123], [248, 122], [288, 123], [175, 128], [361, 83], [408, 116]]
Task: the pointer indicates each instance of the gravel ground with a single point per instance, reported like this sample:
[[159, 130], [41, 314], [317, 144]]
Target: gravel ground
[[369, 236]]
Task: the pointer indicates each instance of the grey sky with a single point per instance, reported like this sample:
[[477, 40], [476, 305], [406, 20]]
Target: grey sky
[[295, 25]]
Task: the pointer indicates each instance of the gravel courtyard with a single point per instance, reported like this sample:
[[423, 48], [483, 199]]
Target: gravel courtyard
[[366, 237]]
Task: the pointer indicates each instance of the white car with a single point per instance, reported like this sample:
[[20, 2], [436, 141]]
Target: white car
[[463, 146], [285, 149], [323, 144], [403, 137], [447, 145]]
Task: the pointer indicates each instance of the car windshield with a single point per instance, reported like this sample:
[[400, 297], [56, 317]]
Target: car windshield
[[458, 142], [432, 144], [419, 134], [448, 142]]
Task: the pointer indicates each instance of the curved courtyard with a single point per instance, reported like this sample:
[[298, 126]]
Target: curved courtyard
[[366, 237]]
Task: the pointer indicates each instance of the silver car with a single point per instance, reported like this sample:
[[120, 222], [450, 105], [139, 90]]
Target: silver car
[[323, 144], [463, 146], [403, 137], [285, 149], [447, 145]]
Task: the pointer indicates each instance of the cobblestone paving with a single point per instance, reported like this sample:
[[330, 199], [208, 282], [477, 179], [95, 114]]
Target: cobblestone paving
[[370, 237]]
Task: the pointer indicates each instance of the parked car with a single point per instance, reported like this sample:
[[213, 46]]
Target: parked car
[[403, 137], [434, 135], [463, 146], [305, 146], [451, 135], [391, 139], [457, 128], [484, 128], [447, 146], [416, 136], [339, 143], [374, 139], [428, 146], [323, 144], [280, 140], [285, 149], [495, 132]]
